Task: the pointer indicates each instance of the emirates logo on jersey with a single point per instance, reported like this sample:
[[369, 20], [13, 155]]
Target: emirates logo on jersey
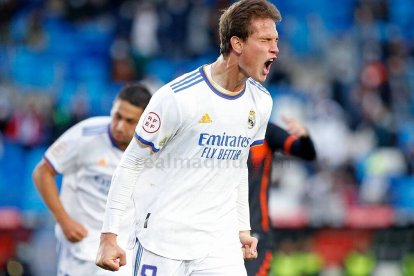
[[251, 121], [151, 123]]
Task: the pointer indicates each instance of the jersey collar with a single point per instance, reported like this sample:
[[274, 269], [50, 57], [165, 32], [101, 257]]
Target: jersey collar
[[112, 138], [217, 89]]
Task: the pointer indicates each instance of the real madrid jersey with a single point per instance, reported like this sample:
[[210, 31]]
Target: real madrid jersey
[[86, 157], [198, 139]]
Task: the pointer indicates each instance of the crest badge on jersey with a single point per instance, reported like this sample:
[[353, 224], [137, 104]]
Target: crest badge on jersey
[[251, 121], [151, 123]]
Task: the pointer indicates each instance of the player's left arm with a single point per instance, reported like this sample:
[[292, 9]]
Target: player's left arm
[[249, 243]]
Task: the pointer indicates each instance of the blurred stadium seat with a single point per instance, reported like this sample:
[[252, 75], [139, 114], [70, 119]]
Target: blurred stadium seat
[[11, 188]]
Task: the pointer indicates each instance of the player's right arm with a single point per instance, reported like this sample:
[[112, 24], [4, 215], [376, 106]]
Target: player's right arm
[[158, 124], [110, 256], [44, 179], [249, 243]]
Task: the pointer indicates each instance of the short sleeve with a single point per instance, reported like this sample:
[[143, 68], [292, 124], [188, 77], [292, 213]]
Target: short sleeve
[[160, 121], [62, 154]]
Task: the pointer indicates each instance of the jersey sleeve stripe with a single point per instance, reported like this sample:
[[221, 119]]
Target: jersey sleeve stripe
[[50, 164], [187, 86], [94, 130], [185, 81], [190, 76], [257, 142], [146, 143]]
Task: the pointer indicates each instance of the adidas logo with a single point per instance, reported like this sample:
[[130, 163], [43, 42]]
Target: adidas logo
[[205, 119]]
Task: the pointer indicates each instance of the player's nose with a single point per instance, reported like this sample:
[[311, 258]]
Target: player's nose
[[121, 125], [274, 49]]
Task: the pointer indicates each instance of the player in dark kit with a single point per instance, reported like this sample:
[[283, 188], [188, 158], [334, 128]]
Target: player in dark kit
[[296, 142]]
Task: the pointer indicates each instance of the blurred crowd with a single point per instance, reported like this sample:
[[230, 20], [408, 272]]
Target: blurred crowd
[[345, 69]]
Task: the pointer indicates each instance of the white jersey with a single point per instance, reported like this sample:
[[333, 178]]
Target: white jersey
[[200, 139], [86, 156]]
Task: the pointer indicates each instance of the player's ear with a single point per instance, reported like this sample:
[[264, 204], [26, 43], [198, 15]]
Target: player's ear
[[236, 44]]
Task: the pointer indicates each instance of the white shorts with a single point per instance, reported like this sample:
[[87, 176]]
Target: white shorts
[[222, 261], [69, 265]]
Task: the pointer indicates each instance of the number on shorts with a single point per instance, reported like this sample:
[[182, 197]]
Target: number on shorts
[[149, 270]]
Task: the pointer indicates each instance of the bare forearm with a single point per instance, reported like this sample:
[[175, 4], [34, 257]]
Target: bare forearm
[[45, 183], [44, 179]]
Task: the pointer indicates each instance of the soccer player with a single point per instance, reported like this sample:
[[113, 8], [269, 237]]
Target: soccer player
[[87, 155], [187, 167], [296, 142]]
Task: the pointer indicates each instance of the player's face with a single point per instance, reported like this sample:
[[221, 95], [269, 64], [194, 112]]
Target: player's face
[[260, 49], [124, 119]]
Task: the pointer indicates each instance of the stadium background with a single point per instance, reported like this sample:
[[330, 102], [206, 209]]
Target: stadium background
[[345, 68]]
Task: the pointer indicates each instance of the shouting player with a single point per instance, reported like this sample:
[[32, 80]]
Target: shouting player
[[192, 213]]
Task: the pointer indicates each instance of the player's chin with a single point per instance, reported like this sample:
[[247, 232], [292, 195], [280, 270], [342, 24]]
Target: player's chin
[[263, 78], [260, 77], [121, 140], [123, 143]]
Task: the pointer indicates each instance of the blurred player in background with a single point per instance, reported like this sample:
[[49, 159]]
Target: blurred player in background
[[296, 142], [192, 205], [87, 155]]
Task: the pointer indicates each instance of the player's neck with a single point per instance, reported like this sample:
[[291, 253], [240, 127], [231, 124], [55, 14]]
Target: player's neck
[[225, 72]]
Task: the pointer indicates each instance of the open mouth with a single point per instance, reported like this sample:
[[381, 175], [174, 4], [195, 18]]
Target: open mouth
[[268, 64]]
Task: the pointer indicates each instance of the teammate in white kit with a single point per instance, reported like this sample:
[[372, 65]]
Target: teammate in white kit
[[186, 169], [87, 155]]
